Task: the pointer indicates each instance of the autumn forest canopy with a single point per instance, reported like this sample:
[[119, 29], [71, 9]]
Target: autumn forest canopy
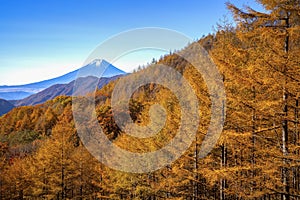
[[256, 157]]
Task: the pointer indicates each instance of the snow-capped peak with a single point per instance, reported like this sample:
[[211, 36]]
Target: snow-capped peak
[[99, 68], [96, 62]]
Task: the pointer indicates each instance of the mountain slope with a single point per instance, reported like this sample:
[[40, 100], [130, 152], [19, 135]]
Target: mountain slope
[[22, 91], [64, 89], [5, 106], [14, 95]]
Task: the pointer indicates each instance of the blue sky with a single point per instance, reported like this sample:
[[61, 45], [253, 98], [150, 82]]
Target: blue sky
[[43, 39]]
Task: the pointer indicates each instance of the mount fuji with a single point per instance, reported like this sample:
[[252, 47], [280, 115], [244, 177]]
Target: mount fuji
[[97, 68]]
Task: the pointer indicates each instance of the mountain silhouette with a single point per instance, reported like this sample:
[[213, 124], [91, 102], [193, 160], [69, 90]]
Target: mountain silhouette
[[65, 89], [5, 106], [98, 68]]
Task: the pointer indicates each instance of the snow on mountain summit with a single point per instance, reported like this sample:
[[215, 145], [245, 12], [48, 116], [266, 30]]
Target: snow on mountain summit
[[97, 68]]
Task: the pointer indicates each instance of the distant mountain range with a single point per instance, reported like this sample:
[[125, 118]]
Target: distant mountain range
[[5, 106], [64, 89], [40, 92], [102, 67]]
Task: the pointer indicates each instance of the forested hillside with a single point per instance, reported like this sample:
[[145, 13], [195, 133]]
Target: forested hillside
[[256, 157]]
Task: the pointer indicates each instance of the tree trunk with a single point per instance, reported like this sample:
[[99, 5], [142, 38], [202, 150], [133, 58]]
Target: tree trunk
[[195, 183], [223, 164], [285, 134], [253, 142], [223, 155]]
